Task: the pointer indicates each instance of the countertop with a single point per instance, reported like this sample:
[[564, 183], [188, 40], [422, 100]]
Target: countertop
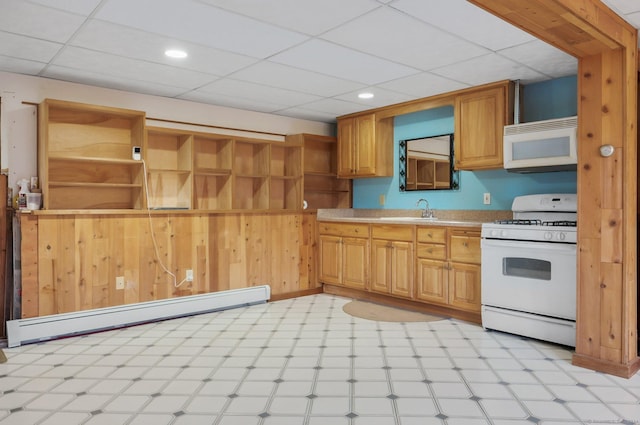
[[464, 218]]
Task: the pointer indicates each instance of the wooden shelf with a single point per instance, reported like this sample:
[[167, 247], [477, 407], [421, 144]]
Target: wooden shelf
[[85, 156], [322, 188], [212, 172], [85, 152], [93, 185]]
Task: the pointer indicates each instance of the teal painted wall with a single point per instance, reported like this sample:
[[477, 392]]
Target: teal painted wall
[[551, 99]]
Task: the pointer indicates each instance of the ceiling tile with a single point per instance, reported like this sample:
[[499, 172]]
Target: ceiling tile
[[287, 77], [404, 40], [200, 23], [623, 6], [108, 81], [306, 16], [231, 101], [257, 92], [81, 7], [466, 21], [306, 114], [487, 69], [116, 39], [335, 107], [120, 67], [22, 47], [423, 85], [20, 66], [21, 17], [543, 58], [381, 97], [338, 61]]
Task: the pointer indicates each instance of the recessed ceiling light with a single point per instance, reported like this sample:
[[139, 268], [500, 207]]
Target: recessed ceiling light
[[365, 95], [175, 53]]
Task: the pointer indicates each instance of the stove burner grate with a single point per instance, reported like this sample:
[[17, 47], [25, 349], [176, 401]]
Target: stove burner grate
[[565, 223], [520, 221], [536, 222]]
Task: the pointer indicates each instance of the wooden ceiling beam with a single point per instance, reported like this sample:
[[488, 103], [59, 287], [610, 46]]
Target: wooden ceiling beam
[[580, 28]]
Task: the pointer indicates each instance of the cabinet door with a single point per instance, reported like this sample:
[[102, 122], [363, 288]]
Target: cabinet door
[[381, 259], [392, 267], [464, 286], [330, 257], [355, 262], [479, 122], [346, 141], [365, 147], [432, 281], [402, 269]]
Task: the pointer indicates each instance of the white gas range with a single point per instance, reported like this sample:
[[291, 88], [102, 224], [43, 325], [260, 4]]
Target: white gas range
[[529, 269]]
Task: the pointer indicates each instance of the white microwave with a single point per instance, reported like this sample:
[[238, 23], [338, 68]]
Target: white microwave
[[541, 146]]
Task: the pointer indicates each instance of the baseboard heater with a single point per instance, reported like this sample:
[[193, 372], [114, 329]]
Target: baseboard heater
[[37, 329]]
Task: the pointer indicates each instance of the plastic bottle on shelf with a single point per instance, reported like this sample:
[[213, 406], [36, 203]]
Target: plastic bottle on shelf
[[23, 184]]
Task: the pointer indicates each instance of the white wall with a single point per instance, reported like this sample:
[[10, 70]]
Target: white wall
[[18, 125]]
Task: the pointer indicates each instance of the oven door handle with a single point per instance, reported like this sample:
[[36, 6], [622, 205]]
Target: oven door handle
[[546, 246]]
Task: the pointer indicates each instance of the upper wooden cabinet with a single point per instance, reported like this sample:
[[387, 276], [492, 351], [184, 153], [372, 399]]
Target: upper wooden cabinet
[[365, 146], [480, 117]]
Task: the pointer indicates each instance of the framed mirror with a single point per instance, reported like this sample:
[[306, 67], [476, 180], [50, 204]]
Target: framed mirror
[[426, 163]]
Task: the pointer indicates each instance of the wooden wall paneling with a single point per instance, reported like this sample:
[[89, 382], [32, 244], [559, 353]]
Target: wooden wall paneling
[[258, 257], [46, 238], [132, 264], [30, 254], [589, 294], [589, 136], [183, 252], [308, 260], [88, 272], [611, 317], [65, 285]]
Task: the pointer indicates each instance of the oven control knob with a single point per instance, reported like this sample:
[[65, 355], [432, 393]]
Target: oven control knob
[[494, 233], [548, 236], [561, 236], [504, 233]]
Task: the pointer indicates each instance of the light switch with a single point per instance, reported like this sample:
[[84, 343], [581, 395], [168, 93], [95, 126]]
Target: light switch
[[487, 198]]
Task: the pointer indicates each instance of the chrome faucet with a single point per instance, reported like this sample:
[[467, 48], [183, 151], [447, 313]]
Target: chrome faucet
[[427, 212]]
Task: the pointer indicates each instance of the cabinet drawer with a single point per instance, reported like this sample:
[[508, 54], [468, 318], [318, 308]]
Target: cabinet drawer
[[344, 229], [433, 251], [465, 249], [395, 233], [432, 234]]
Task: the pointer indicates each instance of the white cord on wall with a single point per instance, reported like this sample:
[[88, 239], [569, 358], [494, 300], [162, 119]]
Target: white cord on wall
[[153, 234]]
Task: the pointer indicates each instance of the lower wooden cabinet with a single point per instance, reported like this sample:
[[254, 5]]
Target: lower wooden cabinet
[[464, 286], [464, 269], [344, 259], [437, 265], [452, 279], [392, 260], [432, 281]]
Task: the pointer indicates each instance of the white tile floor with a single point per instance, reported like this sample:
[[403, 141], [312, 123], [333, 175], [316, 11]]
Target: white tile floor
[[304, 361]]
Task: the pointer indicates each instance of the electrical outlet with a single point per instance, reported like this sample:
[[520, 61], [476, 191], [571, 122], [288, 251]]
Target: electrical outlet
[[120, 282], [381, 200], [487, 198], [189, 277]]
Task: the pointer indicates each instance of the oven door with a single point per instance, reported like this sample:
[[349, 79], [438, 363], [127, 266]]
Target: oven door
[[534, 277]]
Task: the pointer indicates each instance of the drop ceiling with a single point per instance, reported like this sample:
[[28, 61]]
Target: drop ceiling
[[306, 59]]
